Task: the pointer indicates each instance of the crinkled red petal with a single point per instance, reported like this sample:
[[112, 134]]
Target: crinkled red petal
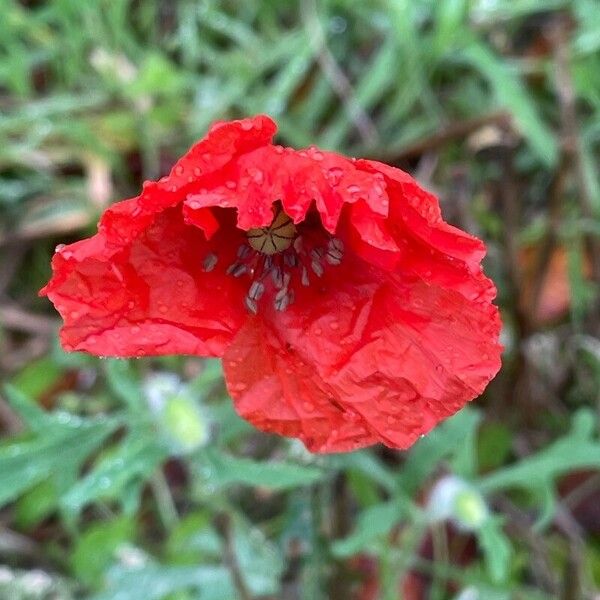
[[297, 178], [379, 358], [152, 297], [123, 221]]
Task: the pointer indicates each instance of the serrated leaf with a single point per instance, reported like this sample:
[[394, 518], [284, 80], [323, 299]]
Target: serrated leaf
[[576, 450], [56, 452]]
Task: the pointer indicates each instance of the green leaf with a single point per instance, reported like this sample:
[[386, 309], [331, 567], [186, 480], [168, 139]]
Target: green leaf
[[156, 582], [124, 383], [221, 470], [32, 415], [95, 550], [372, 523], [497, 550], [574, 451], [36, 504], [446, 440], [57, 452], [133, 460]]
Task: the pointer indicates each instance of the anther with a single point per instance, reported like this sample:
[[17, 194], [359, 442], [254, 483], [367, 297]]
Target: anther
[[305, 280], [290, 260], [335, 251], [283, 299], [277, 277], [333, 257], [210, 262], [237, 269], [317, 267], [257, 289], [251, 305], [243, 251], [336, 244]]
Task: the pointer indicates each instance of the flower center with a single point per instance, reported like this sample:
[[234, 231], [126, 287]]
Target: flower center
[[276, 237], [279, 257]]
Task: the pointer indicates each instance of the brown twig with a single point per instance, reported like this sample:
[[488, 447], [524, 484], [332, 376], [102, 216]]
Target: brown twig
[[334, 74], [453, 131], [13, 317], [222, 523]]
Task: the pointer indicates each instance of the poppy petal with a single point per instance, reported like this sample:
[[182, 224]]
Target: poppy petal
[[379, 358], [154, 297]]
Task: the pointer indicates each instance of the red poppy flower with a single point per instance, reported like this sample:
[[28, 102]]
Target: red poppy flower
[[346, 311]]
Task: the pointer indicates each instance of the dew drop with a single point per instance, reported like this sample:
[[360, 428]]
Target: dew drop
[[178, 170], [163, 308], [308, 406]]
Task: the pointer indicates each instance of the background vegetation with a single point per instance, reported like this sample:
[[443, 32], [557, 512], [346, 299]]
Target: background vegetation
[[135, 480]]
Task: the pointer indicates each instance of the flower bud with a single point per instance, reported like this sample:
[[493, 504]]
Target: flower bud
[[452, 498]]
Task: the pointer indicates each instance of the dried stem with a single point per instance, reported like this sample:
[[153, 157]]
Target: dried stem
[[454, 131], [222, 523]]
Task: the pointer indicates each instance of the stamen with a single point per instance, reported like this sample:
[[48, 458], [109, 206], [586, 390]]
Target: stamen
[[283, 299], [305, 280], [257, 289], [317, 268], [333, 257], [336, 244], [335, 251], [277, 277], [237, 269], [210, 262], [270, 256], [244, 251], [251, 305], [290, 260]]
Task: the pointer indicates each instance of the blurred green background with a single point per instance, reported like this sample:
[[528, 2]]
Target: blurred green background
[[135, 480]]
